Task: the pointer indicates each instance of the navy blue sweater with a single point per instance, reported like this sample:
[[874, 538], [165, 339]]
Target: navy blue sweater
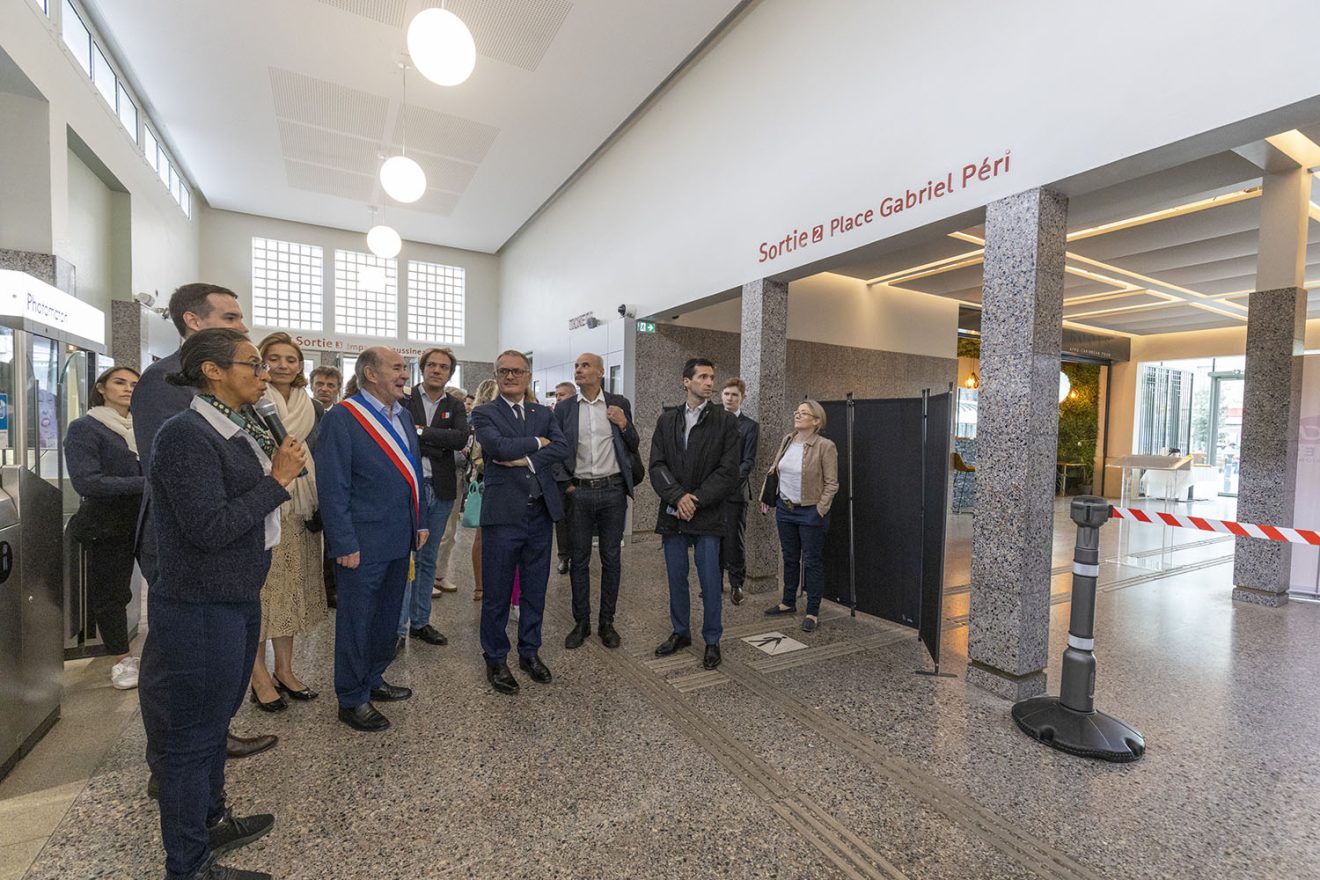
[[209, 500], [106, 473]]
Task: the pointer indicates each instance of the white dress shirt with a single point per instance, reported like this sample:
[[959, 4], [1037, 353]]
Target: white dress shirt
[[227, 428], [595, 443], [516, 407]]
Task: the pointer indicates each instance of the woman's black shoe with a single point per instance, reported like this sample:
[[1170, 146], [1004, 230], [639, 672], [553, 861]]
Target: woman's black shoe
[[776, 610], [305, 695], [275, 705]]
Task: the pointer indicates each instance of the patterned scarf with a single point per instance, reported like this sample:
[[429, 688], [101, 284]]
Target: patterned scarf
[[248, 420]]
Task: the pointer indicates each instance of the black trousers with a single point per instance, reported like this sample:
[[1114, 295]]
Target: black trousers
[[563, 543], [596, 512], [195, 667], [733, 546], [109, 590]]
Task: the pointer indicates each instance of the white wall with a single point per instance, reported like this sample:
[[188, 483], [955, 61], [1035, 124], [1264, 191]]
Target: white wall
[[805, 111], [227, 260], [839, 310], [91, 236]]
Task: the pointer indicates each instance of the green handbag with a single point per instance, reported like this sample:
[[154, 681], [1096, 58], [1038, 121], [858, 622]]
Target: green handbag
[[472, 506]]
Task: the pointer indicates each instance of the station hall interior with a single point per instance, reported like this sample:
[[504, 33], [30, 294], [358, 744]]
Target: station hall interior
[[1024, 255]]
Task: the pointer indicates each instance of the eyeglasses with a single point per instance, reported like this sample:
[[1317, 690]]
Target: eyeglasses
[[258, 367], [511, 372]]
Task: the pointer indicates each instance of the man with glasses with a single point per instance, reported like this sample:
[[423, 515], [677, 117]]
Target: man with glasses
[[522, 444], [193, 307]]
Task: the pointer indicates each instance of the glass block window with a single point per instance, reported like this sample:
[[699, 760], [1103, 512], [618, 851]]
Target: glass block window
[[287, 288], [77, 37], [128, 114], [366, 294], [435, 302]]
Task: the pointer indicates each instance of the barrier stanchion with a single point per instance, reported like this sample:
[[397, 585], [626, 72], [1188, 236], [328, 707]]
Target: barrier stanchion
[[1070, 722]]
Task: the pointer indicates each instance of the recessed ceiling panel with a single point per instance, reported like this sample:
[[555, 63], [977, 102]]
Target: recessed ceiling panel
[[517, 32], [328, 105], [329, 181], [444, 134], [388, 12], [443, 173], [305, 143]]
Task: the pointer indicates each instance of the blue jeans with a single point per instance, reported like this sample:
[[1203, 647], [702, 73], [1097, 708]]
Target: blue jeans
[[417, 597], [802, 538], [707, 555], [195, 669]]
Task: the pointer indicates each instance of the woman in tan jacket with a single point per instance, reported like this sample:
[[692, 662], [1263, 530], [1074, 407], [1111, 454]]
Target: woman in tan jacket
[[807, 466]]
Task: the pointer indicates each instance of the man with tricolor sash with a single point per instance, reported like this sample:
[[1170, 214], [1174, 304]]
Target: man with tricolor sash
[[369, 479]]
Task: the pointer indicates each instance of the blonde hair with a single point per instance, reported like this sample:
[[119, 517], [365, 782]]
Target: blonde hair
[[817, 411], [487, 391], [279, 337]]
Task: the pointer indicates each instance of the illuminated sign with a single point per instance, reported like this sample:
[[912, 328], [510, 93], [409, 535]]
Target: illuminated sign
[[48, 307], [646, 326]]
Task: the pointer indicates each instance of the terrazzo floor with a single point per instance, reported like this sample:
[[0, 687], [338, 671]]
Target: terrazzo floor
[[833, 762]]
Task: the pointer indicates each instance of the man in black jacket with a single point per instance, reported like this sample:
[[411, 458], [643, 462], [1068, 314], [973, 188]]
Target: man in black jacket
[[598, 478], [733, 549], [694, 467], [442, 430]]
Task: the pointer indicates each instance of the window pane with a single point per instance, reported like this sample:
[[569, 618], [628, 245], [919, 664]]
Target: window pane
[[163, 165], [185, 200], [175, 185], [366, 294], [77, 38], [435, 302], [287, 280], [44, 6], [128, 113], [103, 75], [149, 147]]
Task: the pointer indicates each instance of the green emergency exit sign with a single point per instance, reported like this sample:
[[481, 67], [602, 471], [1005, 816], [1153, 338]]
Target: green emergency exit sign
[[646, 326]]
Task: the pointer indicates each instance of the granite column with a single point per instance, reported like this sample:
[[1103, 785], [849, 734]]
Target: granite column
[[1017, 435], [763, 365]]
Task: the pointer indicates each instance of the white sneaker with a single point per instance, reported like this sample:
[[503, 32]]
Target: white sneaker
[[513, 612], [124, 675]]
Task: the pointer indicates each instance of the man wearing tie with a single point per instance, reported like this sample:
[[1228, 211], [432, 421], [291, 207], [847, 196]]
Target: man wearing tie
[[522, 443], [370, 484], [598, 475]]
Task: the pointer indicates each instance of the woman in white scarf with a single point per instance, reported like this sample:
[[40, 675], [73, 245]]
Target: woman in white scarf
[[293, 599]]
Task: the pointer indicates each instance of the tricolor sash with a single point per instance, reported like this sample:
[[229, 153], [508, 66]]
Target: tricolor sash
[[379, 429]]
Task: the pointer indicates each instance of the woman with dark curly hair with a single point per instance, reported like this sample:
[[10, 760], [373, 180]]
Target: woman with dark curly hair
[[217, 483]]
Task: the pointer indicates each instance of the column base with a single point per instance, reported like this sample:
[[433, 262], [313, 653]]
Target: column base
[[1005, 684], [1253, 596]]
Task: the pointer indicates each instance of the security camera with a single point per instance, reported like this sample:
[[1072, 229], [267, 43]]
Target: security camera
[[627, 311], [145, 299], [593, 322]]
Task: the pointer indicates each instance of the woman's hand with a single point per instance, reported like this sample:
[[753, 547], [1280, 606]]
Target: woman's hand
[[289, 461], [764, 508]]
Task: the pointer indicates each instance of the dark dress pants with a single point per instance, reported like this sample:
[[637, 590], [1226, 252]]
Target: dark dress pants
[[733, 546], [195, 667], [523, 547], [109, 590], [366, 617], [802, 542], [597, 512], [564, 538], [706, 552]]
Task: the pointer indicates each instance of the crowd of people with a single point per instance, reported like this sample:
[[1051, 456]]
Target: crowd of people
[[252, 506]]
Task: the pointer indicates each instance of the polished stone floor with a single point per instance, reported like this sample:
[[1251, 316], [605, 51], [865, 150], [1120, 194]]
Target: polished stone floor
[[835, 761]]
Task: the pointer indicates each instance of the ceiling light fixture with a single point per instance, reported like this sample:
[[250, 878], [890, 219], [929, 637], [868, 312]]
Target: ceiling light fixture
[[403, 179], [383, 240], [441, 47]]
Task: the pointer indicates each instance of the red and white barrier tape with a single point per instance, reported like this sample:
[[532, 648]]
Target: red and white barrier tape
[[1242, 530]]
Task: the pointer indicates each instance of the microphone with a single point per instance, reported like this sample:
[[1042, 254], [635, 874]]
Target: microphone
[[271, 416]]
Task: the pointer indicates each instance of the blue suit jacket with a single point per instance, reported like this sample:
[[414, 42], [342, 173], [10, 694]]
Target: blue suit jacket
[[366, 504], [502, 438], [626, 441]]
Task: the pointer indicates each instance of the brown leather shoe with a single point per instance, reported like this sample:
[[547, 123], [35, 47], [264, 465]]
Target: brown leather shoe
[[246, 746]]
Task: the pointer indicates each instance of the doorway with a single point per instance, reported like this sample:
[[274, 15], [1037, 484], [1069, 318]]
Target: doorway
[[1226, 428]]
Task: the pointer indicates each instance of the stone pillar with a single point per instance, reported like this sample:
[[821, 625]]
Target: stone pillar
[[1016, 439], [763, 365], [1271, 399]]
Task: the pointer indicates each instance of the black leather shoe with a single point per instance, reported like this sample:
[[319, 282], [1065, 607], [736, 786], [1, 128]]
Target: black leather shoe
[[247, 746], [776, 610], [578, 635], [539, 672], [675, 642], [398, 647], [502, 679], [712, 658], [737, 595], [390, 693], [275, 705], [563, 566], [153, 787], [231, 832], [364, 717], [211, 871], [609, 636], [429, 634], [305, 695]]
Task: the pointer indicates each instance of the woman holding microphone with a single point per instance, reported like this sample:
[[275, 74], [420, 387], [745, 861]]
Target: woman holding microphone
[[806, 469], [217, 483]]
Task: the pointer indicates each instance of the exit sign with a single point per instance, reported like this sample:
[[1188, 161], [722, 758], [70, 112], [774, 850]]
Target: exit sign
[[646, 326]]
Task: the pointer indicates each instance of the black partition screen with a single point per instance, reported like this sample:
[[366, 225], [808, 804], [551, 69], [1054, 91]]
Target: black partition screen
[[895, 467]]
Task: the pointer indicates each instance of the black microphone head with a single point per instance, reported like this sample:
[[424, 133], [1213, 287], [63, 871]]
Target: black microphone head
[[266, 407]]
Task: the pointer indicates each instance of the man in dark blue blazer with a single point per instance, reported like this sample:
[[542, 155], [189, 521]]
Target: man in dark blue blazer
[[369, 482], [598, 478], [521, 443]]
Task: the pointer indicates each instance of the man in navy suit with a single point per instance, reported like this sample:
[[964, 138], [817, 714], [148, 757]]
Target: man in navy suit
[[521, 443], [598, 475], [369, 479]]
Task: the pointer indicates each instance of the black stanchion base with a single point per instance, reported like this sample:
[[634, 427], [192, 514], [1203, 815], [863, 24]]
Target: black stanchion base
[[1093, 735]]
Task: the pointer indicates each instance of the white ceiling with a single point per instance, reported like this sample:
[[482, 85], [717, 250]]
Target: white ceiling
[[282, 108]]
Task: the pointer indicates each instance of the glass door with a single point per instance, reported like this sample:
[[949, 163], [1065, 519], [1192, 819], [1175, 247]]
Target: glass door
[[1226, 429]]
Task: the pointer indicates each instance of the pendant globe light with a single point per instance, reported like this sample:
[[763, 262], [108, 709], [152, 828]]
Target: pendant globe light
[[441, 47], [403, 179], [382, 239]]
